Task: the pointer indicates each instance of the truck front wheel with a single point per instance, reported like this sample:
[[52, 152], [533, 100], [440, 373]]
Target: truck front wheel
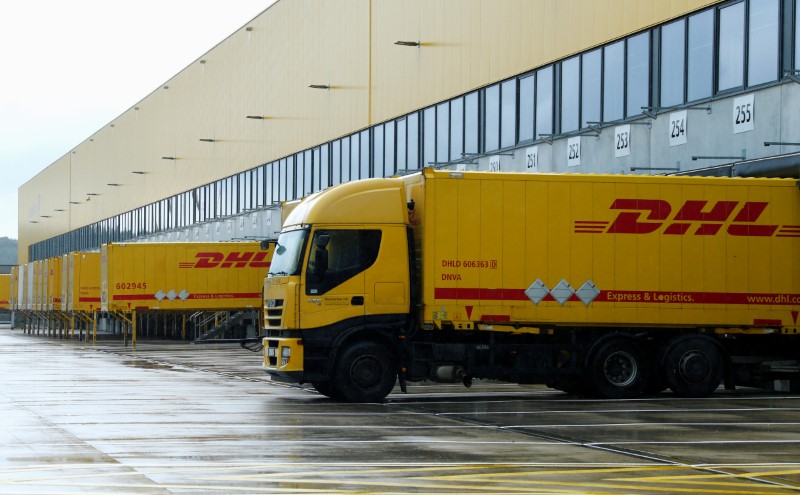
[[693, 366], [618, 369], [365, 372]]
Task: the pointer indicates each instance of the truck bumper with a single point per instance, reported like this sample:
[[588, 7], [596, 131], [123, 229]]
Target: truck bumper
[[283, 358]]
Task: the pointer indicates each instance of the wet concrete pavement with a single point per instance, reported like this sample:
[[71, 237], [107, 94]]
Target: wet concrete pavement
[[179, 418]]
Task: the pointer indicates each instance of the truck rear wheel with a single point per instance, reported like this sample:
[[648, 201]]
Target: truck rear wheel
[[618, 369], [365, 372], [693, 366]]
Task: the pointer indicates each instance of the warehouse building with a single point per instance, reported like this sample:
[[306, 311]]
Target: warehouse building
[[312, 93]]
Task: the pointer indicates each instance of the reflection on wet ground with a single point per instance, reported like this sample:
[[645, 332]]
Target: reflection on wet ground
[[178, 418]]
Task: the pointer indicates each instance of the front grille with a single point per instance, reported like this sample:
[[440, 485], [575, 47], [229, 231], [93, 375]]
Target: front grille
[[273, 313]]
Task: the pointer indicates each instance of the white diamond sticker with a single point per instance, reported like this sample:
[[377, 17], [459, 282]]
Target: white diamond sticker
[[160, 295], [562, 292], [183, 295], [588, 292], [537, 291], [171, 295]]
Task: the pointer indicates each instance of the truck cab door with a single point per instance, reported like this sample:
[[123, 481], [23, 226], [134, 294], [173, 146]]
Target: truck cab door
[[333, 279]]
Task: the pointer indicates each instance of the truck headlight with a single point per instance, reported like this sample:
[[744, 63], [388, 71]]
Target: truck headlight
[[286, 354]]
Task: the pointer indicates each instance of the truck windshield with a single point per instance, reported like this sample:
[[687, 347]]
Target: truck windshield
[[286, 260]]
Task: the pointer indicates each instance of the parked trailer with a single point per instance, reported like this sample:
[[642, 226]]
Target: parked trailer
[[13, 295], [5, 291], [610, 285], [184, 276], [80, 282]]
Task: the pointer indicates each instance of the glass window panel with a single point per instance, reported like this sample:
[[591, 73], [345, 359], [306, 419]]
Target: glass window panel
[[346, 159], [471, 123], [700, 75], [317, 167], [638, 80], [526, 95], [544, 101], [413, 141], [443, 132], [429, 130], [300, 179], [282, 172], [388, 143], [508, 113], [366, 169], [258, 178], [456, 128], [762, 59], [672, 63], [614, 81], [491, 135], [590, 87], [308, 175], [324, 166], [355, 149], [276, 182], [731, 47], [336, 177], [402, 159], [797, 37], [570, 97], [377, 135]]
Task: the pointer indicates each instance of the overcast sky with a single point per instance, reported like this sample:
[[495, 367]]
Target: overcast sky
[[68, 67]]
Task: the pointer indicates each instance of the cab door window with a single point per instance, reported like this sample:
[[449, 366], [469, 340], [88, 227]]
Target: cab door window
[[337, 256]]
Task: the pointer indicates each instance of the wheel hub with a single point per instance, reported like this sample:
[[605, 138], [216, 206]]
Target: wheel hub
[[694, 367], [366, 371], [620, 369]]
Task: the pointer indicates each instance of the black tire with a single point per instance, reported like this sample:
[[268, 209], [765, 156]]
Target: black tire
[[328, 389], [618, 369], [365, 372], [693, 366]]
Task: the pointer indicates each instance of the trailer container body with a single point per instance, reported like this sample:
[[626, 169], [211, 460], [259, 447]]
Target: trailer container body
[[5, 291], [83, 282], [53, 286], [608, 284], [22, 288], [13, 295], [185, 276], [33, 277]]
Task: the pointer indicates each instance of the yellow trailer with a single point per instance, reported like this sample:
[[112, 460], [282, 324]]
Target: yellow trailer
[[185, 276], [13, 295], [53, 286], [82, 289], [5, 291], [615, 285]]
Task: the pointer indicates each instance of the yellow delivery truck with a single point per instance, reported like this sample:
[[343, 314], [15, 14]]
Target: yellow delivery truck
[[609, 285]]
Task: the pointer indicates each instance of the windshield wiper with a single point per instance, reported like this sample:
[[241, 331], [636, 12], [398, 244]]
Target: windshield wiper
[[279, 274]]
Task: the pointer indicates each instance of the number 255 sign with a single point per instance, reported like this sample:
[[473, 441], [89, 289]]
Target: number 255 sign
[[744, 113]]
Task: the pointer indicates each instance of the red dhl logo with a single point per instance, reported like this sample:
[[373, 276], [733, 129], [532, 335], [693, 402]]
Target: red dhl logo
[[233, 260], [645, 216]]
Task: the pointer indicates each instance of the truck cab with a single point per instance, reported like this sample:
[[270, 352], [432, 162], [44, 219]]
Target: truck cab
[[340, 275]]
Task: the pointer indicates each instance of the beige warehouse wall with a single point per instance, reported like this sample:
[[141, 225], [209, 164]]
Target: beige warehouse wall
[[265, 69]]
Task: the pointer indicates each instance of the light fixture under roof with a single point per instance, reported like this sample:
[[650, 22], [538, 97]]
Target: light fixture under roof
[[168, 158], [319, 86], [407, 43]]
